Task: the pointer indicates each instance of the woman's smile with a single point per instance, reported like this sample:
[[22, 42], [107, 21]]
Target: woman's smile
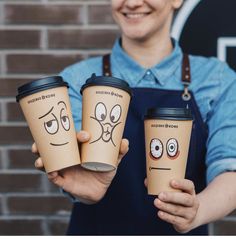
[[138, 15]]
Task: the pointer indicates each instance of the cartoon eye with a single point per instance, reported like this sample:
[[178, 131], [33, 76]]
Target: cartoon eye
[[172, 147], [115, 113], [100, 111], [51, 126], [65, 122], [156, 148]]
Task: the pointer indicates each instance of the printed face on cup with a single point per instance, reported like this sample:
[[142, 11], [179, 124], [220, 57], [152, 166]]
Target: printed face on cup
[[56, 124], [108, 119], [161, 151]]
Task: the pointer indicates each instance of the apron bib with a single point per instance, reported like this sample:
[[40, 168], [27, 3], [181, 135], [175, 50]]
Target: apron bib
[[126, 208]]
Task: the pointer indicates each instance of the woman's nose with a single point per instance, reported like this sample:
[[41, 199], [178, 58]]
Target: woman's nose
[[133, 3]]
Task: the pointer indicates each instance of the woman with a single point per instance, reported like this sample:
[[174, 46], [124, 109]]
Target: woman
[[160, 75]]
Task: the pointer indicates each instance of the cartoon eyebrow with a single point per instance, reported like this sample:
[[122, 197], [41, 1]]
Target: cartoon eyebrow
[[47, 113], [62, 102]]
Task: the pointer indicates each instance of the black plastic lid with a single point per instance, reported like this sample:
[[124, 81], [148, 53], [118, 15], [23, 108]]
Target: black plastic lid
[[107, 81], [169, 113], [40, 85]]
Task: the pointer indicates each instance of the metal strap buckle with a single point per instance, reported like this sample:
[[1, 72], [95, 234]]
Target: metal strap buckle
[[186, 95]]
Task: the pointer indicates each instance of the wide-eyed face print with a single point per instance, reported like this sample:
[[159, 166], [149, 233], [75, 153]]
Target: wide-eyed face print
[[108, 119], [158, 149], [55, 121]]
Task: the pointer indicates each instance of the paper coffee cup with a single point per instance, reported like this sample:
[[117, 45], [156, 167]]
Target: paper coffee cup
[[105, 107], [167, 138], [46, 107]]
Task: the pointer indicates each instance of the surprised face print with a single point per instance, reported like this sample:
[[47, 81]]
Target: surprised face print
[[108, 120], [157, 150]]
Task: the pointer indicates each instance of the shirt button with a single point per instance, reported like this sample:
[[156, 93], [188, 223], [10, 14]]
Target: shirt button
[[148, 73]]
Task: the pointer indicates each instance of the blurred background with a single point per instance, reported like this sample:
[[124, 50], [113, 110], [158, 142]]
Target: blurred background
[[39, 38]]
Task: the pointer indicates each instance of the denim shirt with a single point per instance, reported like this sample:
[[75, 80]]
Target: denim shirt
[[213, 84]]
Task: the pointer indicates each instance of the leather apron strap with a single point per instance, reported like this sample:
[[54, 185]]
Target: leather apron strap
[[186, 74]]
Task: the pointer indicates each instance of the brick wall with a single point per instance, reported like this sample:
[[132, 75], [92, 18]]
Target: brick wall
[[39, 38]]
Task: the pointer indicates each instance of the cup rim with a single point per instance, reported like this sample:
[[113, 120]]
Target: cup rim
[[38, 85], [169, 114], [106, 81]]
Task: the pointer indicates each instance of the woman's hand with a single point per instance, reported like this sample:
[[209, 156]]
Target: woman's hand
[[179, 208], [88, 186]]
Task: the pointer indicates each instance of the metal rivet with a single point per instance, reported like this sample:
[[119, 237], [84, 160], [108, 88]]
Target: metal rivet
[[186, 97]]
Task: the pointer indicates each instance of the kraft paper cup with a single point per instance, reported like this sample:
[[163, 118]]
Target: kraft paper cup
[[105, 107], [46, 107], [167, 138]]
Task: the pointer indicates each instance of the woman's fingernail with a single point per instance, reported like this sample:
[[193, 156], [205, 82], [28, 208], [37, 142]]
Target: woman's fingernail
[[84, 135], [162, 196], [174, 183]]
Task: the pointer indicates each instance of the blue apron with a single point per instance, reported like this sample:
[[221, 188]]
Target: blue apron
[[127, 209]]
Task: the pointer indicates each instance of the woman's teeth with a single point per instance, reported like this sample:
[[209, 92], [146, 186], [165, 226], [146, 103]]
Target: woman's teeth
[[135, 15]]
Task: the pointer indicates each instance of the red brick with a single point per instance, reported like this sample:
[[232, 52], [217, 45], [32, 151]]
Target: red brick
[[88, 39], [21, 159], [39, 64], [100, 14], [20, 183], [227, 228], [14, 112], [1, 160], [16, 39], [44, 205], [15, 135], [58, 227], [52, 188], [9, 86], [1, 211], [0, 110], [20, 227], [43, 14]]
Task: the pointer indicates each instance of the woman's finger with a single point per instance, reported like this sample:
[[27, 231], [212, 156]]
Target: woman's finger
[[124, 148], [184, 185], [145, 182], [83, 136], [39, 164], [57, 179], [172, 209], [175, 220], [180, 198], [34, 148]]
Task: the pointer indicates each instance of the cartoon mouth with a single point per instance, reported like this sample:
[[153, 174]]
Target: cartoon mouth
[[59, 144], [107, 133], [153, 168]]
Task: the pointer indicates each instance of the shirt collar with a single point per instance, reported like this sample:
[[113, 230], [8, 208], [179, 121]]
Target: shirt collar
[[134, 73]]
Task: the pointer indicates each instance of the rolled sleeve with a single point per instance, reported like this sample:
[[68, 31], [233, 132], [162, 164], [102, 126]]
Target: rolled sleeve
[[220, 166], [69, 196], [221, 143]]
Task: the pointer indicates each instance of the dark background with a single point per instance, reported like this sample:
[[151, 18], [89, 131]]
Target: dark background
[[210, 20]]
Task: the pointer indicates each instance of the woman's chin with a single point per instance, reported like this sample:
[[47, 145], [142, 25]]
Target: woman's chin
[[136, 36]]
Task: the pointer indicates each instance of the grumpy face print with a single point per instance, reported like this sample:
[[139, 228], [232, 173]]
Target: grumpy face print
[[108, 120], [56, 121]]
